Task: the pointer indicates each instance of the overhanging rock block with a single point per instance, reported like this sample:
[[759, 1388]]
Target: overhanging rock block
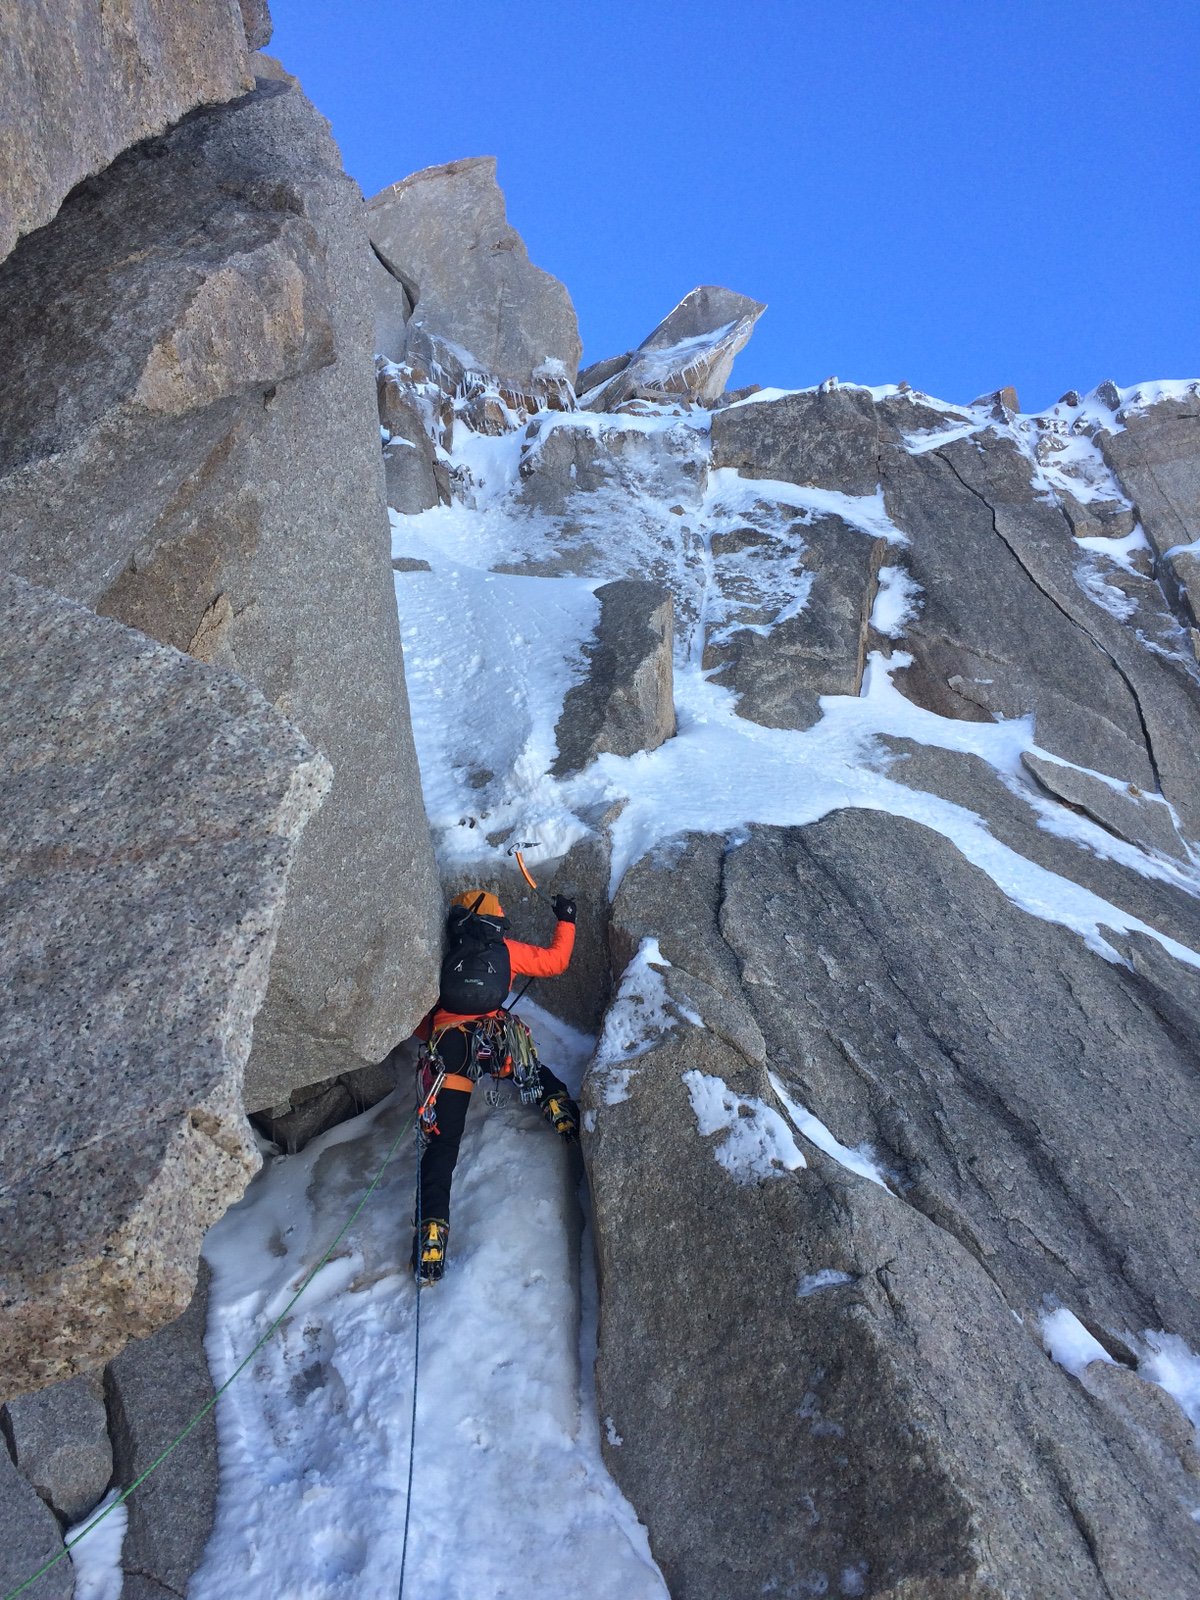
[[149, 813], [80, 82]]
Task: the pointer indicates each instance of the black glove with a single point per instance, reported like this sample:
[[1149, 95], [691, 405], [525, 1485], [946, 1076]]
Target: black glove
[[563, 908]]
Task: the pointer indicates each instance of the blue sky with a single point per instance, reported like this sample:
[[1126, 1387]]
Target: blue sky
[[960, 194]]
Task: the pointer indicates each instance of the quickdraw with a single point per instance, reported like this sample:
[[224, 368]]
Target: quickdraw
[[499, 1046]]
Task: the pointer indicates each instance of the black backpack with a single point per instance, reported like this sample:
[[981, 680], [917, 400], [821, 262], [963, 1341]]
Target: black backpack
[[477, 972]]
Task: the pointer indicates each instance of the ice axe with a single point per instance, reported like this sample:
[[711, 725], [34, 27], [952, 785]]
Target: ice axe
[[515, 850]]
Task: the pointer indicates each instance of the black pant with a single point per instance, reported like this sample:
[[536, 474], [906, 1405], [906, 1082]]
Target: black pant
[[438, 1162]]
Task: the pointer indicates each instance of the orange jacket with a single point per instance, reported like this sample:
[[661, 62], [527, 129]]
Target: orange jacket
[[528, 961]]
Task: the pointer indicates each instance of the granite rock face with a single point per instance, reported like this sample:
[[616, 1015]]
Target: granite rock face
[[479, 303], [689, 354], [80, 83], [155, 1387], [898, 1392], [150, 814], [625, 703], [29, 1537], [59, 1440], [190, 434], [1156, 455]]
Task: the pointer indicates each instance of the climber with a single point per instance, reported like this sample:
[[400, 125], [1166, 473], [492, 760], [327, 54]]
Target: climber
[[469, 1033]]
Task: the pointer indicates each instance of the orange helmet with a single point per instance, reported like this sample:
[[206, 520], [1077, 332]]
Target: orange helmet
[[479, 901]]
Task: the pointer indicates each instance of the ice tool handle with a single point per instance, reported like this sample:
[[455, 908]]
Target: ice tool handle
[[515, 850]]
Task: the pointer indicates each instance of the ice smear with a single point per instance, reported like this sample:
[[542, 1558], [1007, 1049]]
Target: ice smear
[[314, 1435], [729, 492], [1069, 1343], [861, 1159], [758, 1142], [896, 603], [827, 1278], [96, 1559], [1170, 1362], [634, 1022]]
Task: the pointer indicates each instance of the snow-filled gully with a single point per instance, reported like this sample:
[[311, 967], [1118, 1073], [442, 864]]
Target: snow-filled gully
[[511, 1495]]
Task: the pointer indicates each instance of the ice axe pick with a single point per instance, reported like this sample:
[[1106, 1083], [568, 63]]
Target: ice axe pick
[[515, 850]]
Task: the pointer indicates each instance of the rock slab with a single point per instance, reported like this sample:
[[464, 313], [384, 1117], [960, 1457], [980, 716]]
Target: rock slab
[[150, 810], [690, 354]]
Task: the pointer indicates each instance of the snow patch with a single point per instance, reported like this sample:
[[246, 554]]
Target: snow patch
[[96, 1559], [828, 1278], [861, 1160], [758, 1142], [636, 1020], [1069, 1343], [897, 602]]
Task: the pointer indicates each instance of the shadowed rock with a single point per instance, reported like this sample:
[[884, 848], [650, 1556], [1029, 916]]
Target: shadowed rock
[[479, 302], [155, 1387], [29, 1537], [149, 814], [59, 1441], [191, 445], [689, 354]]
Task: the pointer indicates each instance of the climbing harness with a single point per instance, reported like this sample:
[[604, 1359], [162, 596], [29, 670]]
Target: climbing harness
[[237, 1372], [499, 1046]]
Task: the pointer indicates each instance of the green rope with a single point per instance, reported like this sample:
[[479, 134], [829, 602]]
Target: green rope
[[238, 1370]]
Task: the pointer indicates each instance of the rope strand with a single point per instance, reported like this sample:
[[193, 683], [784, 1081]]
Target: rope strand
[[237, 1371]]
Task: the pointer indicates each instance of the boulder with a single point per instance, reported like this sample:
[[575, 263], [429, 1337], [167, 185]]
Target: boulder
[[408, 456], [59, 1441], [690, 353], [189, 435], [479, 302], [149, 814], [626, 702], [29, 1537], [156, 1386], [79, 83]]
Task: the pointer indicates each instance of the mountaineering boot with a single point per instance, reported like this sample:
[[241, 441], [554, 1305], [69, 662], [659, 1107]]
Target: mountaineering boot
[[562, 1111], [429, 1260]]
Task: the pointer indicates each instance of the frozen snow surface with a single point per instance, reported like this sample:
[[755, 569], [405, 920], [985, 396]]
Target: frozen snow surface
[[510, 1495], [96, 1559]]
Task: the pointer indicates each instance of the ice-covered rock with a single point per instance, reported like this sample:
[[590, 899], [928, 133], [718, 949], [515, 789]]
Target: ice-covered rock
[[149, 814], [689, 354], [479, 303]]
